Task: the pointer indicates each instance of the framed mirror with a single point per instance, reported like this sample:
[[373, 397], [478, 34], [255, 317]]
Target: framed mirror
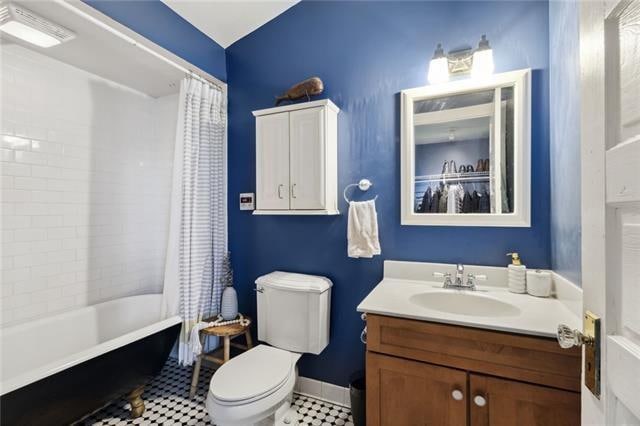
[[466, 152]]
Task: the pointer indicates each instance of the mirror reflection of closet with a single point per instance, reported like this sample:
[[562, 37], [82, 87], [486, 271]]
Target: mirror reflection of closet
[[454, 149], [463, 147]]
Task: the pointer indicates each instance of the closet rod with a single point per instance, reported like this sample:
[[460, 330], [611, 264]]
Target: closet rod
[[460, 179], [452, 176]]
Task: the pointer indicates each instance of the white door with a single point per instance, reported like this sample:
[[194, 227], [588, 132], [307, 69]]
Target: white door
[[308, 157], [272, 162], [610, 133]]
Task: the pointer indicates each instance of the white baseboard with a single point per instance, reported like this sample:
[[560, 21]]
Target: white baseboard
[[323, 390]]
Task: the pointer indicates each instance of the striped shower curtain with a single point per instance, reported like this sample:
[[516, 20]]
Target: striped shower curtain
[[198, 227]]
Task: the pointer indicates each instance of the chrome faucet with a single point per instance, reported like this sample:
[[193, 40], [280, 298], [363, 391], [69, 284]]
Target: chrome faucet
[[458, 283], [459, 275]]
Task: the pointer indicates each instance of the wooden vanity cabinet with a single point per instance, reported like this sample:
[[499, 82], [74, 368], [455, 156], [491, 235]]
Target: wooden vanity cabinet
[[509, 402], [422, 373], [414, 393]]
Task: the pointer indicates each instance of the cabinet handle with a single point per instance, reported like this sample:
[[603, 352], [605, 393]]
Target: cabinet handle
[[457, 395], [280, 191], [480, 401], [293, 191]]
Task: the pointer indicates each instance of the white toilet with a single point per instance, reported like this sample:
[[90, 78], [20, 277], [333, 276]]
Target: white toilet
[[256, 387]]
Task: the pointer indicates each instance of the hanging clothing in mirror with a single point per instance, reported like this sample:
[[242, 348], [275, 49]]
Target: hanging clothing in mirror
[[467, 203], [442, 204], [435, 201]]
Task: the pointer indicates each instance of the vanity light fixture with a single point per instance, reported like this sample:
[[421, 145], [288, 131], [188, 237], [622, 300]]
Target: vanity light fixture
[[482, 59], [438, 67], [26, 25], [477, 61]]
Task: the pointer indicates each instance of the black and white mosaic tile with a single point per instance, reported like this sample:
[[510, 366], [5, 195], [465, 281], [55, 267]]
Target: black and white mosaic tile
[[312, 411], [167, 403]]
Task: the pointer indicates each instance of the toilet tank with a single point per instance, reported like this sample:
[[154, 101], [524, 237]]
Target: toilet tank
[[293, 311]]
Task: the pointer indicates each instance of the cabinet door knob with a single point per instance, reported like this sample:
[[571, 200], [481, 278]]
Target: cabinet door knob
[[293, 191], [280, 190], [457, 395], [480, 401]]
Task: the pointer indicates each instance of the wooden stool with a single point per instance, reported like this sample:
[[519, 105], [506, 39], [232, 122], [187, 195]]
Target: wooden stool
[[227, 332]]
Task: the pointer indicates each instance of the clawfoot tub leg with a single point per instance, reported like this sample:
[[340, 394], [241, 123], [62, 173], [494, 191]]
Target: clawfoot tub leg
[[137, 404]]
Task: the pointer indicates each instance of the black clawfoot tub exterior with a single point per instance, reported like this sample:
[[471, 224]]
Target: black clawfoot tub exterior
[[60, 391]]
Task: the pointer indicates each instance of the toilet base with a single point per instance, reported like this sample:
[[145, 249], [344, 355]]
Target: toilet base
[[284, 415]]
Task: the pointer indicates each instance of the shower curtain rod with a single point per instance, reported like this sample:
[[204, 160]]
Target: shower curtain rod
[[196, 74]]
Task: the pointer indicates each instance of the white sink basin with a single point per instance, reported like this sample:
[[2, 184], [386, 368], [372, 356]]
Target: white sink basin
[[406, 292], [464, 303]]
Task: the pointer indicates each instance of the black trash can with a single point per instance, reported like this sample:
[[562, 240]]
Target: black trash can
[[357, 393]]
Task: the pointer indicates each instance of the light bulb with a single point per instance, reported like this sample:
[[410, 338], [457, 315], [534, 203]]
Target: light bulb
[[438, 71], [482, 59], [482, 63], [438, 67]]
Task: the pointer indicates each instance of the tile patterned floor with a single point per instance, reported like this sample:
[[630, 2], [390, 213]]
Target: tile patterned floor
[[167, 403]]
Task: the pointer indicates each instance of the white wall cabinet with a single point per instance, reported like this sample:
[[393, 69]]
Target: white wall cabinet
[[297, 159], [272, 161]]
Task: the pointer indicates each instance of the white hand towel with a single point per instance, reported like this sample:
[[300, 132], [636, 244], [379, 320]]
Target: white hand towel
[[362, 229]]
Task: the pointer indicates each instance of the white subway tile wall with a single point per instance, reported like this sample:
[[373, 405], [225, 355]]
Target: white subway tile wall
[[86, 187]]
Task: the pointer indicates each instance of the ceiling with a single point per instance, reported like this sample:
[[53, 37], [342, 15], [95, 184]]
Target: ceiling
[[102, 53], [460, 130], [227, 21]]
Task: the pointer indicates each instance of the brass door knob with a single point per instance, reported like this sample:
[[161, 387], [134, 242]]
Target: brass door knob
[[568, 338]]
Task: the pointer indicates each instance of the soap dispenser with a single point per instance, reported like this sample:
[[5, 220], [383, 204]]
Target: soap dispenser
[[517, 274]]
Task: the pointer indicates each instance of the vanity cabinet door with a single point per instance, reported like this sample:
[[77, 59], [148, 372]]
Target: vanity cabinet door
[[308, 157], [272, 161], [402, 392], [498, 402]]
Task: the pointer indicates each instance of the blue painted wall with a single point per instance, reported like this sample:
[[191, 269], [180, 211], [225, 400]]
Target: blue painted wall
[[160, 24], [366, 52], [564, 112]]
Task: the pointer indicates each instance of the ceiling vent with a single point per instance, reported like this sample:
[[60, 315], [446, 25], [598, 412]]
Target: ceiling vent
[[28, 26]]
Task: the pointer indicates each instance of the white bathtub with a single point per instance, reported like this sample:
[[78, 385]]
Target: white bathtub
[[42, 348]]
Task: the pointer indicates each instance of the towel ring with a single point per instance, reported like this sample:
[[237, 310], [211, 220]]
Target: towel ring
[[363, 185]]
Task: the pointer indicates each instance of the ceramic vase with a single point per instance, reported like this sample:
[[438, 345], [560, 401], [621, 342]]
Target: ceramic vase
[[229, 304]]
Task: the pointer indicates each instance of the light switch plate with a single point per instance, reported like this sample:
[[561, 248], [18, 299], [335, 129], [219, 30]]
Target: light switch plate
[[247, 201]]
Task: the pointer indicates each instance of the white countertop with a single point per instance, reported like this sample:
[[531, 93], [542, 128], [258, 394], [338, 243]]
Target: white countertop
[[533, 316]]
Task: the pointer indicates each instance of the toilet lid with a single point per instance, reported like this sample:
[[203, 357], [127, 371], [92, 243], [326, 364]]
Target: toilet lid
[[254, 373]]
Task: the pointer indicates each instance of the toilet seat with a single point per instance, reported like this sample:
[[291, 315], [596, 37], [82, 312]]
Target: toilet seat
[[254, 412], [252, 376], [252, 386]]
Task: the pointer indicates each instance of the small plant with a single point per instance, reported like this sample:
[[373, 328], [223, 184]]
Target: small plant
[[227, 272], [229, 302]]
